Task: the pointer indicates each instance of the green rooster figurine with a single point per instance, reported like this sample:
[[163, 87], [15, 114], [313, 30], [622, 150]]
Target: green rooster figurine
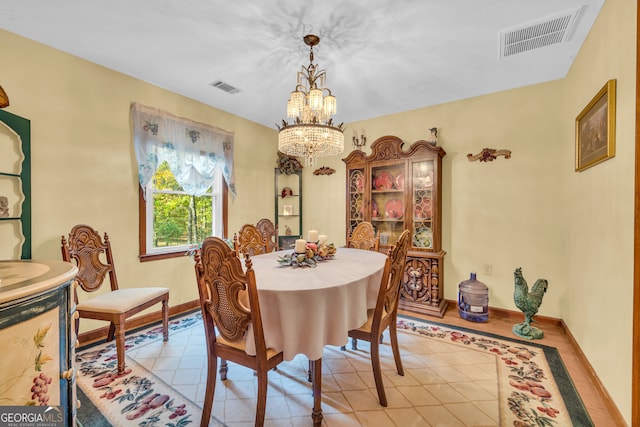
[[528, 303]]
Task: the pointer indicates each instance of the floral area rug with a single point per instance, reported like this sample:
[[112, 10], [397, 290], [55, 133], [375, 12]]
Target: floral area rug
[[534, 386], [135, 397]]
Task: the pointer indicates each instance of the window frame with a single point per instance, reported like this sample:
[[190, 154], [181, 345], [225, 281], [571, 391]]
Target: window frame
[[142, 230]]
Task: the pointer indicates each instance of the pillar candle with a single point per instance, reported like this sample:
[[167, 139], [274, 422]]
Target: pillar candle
[[313, 236], [301, 246], [322, 239]]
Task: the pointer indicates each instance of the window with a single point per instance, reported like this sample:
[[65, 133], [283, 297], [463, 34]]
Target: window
[[171, 220], [181, 166]]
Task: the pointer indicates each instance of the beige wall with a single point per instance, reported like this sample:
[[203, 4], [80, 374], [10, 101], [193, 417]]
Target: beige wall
[[531, 211], [83, 163], [599, 205]]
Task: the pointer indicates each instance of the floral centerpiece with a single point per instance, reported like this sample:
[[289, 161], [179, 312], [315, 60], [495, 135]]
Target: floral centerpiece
[[313, 253]]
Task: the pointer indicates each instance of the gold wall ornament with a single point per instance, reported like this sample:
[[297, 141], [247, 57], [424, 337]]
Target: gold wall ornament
[[489, 155], [4, 98], [324, 170]]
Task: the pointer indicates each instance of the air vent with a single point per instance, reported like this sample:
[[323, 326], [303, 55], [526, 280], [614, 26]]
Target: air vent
[[225, 87], [534, 35]]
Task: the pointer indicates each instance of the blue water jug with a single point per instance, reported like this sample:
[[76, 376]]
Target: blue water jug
[[473, 300]]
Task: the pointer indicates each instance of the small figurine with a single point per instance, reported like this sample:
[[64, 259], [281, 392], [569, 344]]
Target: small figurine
[[433, 138], [528, 303], [287, 230]]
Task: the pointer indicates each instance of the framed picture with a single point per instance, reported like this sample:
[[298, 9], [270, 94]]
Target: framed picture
[[596, 129], [287, 242], [287, 210]]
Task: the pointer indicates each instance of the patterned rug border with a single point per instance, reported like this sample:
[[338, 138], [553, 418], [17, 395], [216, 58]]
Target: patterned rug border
[[572, 400], [89, 415]]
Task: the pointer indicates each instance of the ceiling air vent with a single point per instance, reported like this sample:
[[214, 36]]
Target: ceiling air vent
[[534, 35], [225, 87]]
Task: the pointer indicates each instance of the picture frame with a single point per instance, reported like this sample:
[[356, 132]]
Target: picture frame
[[287, 210], [287, 242], [596, 129]]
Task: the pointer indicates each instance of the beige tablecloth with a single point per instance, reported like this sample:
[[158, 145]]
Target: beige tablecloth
[[304, 309]]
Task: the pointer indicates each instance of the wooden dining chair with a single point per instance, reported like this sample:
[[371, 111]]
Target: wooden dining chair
[[269, 232], [94, 259], [385, 313], [229, 303], [364, 236], [249, 240]]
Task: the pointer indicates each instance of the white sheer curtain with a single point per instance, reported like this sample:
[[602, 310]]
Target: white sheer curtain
[[192, 150]]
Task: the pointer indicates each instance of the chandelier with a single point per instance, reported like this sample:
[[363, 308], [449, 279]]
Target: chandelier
[[311, 106]]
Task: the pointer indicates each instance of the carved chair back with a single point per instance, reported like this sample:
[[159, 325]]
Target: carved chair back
[[389, 295], [93, 257], [269, 232], [249, 240], [228, 295], [364, 236]]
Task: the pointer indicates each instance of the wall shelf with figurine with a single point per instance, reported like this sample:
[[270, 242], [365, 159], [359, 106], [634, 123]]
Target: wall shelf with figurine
[[15, 187], [396, 190], [288, 206]]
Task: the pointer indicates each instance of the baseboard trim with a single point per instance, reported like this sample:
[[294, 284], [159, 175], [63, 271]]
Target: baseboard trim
[[616, 415]]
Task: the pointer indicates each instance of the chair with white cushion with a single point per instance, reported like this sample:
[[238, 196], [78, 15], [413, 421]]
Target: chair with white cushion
[[230, 305], [94, 259]]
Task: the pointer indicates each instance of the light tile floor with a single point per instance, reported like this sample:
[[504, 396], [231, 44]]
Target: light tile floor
[[443, 385]]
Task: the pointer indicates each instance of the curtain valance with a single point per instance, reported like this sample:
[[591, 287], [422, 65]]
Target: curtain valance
[[193, 150]]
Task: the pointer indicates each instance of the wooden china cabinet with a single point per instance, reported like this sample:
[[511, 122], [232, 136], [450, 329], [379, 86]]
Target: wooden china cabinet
[[399, 190]]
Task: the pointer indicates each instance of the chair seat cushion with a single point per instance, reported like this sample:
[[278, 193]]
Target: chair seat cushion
[[242, 345], [121, 300], [366, 326]]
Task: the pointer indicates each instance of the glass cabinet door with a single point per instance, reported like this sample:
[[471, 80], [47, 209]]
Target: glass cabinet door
[[387, 207], [423, 204], [356, 197]]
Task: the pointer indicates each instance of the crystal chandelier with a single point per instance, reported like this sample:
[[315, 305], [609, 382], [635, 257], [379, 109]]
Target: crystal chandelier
[[311, 106]]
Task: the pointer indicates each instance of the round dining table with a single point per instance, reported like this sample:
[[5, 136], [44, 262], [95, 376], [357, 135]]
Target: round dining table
[[305, 308]]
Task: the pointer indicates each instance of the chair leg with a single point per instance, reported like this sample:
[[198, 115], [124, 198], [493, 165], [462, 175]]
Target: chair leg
[[165, 319], [261, 406], [212, 362], [119, 328], [393, 336], [377, 371], [112, 330], [223, 369]]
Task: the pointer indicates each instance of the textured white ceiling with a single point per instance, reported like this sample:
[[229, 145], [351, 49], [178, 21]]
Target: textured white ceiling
[[381, 56]]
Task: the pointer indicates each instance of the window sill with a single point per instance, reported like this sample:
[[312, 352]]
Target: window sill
[[166, 255]]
